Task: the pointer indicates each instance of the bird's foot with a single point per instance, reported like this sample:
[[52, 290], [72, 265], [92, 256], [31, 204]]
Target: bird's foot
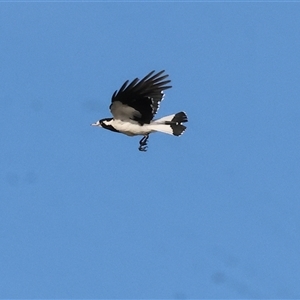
[[143, 148], [143, 143]]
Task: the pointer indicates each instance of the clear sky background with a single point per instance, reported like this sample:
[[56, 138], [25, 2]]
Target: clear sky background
[[212, 214]]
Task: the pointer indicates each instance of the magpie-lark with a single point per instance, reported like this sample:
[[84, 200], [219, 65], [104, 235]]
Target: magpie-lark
[[134, 106]]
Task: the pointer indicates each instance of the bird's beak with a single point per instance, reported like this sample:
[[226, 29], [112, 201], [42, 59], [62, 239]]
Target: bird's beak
[[96, 124]]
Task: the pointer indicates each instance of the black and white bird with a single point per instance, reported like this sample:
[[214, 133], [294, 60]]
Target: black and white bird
[[134, 106]]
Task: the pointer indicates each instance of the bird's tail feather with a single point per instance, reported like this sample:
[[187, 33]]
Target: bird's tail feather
[[171, 124]]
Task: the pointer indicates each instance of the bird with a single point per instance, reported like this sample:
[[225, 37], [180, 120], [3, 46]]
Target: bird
[[134, 106]]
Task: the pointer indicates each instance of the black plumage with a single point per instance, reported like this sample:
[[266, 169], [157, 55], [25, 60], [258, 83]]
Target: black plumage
[[143, 95]]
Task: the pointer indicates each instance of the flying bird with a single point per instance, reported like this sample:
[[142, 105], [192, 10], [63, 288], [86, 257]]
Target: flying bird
[[134, 106]]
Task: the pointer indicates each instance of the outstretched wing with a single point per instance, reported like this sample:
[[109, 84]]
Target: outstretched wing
[[140, 99]]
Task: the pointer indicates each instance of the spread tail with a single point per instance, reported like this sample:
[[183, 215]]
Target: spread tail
[[171, 124]]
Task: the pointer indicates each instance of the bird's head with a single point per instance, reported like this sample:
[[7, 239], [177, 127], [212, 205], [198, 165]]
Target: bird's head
[[103, 122]]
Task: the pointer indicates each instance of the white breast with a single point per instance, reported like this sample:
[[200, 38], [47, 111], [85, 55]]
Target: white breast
[[131, 128]]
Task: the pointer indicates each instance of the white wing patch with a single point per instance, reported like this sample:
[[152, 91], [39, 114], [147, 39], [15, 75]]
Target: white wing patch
[[156, 104]]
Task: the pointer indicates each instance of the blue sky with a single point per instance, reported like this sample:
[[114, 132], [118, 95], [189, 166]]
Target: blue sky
[[212, 214]]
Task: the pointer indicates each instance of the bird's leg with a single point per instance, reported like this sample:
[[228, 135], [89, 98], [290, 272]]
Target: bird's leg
[[143, 143]]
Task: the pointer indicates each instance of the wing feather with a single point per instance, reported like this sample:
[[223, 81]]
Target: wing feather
[[141, 98]]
